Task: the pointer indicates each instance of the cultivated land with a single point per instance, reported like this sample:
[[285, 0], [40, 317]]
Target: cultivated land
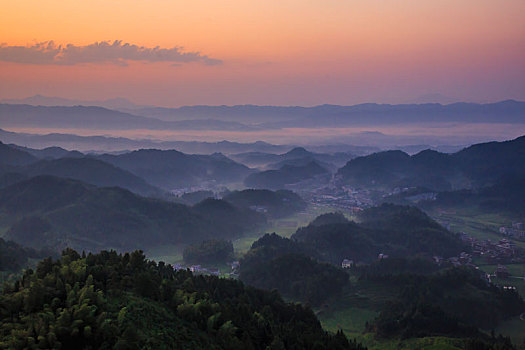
[[478, 225]]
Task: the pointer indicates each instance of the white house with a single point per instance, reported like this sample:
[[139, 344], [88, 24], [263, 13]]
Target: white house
[[346, 264]]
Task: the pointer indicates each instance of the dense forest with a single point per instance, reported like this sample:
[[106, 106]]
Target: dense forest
[[123, 301]]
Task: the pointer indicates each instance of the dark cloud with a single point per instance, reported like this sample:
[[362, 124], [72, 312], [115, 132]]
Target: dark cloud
[[114, 52]]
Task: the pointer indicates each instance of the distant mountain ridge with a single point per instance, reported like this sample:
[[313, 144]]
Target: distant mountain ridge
[[12, 156], [173, 169], [144, 171], [92, 117], [18, 164], [276, 161], [475, 166], [40, 100], [251, 117], [109, 144], [283, 116], [49, 152]]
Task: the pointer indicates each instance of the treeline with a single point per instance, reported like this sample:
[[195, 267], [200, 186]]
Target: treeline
[[123, 301]]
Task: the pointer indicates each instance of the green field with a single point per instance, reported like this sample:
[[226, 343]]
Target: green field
[[428, 343], [478, 225], [169, 253], [351, 310]]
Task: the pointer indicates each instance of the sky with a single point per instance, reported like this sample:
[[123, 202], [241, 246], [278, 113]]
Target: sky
[[286, 52]]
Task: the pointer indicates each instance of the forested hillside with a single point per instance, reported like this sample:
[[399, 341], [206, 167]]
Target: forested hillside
[[111, 301], [473, 167], [172, 169], [388, 229], [274, 262], [53, 212]]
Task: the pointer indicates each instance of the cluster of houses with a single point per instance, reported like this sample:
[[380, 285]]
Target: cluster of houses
[[502, 251], [339, 197], [516, 230], [347, 263], [198, 269], [464, 259]]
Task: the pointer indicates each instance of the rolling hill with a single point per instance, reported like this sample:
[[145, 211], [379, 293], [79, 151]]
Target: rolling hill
[[276, 161], [53, 152], [12, 156], [172, 169], [92, 171], [19, 164], [398, 231], [475, 166], [56, 212]]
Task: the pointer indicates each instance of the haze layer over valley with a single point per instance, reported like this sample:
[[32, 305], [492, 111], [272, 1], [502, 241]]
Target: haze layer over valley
[[262, 175]]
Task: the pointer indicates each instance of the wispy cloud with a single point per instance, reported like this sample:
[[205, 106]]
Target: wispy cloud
[[115, 52]]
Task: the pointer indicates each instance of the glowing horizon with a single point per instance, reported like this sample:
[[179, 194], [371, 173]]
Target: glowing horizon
[[270, 53]]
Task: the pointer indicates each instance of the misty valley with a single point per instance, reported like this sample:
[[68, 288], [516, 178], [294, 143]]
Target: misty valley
[[273, 247]]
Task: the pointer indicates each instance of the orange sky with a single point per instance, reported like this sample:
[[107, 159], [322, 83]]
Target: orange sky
[[284, 52]]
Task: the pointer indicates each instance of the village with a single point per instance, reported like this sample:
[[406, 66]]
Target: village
[[516, 230], [200, 270]]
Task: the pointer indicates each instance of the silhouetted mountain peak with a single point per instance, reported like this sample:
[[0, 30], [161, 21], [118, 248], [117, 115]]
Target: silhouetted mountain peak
[[298, 152]]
